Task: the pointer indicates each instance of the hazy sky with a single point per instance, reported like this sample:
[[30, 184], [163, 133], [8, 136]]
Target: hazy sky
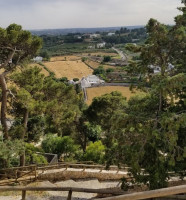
[[40, 14]]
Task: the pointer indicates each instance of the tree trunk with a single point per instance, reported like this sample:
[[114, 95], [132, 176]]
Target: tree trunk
[[4, 106], [85, 143], [4, 95], [25, 122]]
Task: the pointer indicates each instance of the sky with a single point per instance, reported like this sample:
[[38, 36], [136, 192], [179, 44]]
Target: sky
[[50, 14]]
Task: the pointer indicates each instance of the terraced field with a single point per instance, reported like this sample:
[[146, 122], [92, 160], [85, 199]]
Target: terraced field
[[95, 65], [99, 91], [69, 69]]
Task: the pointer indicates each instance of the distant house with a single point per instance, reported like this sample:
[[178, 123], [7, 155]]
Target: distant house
[[91, 47], [111, 34], [38, 59], [101, 45], [157, 69], [91, 81], [94, 35], [78, 37]]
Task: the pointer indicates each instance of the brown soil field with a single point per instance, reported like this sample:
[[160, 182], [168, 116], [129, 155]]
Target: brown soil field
[[43, 71], [99, 91], [69, 69], [65, 58]]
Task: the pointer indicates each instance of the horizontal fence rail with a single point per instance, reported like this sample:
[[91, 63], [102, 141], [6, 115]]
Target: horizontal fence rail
[[165, 192], [112, 191], [16, 173]]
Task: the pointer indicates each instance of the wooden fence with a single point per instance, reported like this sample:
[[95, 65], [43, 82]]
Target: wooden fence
[[15, 174], [69, 189], [165, 192]]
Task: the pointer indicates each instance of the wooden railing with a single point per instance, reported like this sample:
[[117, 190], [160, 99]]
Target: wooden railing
[[165, 192], [31, 172], [112, 191], [160, 193], [20, 172]]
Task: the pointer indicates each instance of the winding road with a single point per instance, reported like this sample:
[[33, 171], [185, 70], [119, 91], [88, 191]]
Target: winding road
[[122, 55]]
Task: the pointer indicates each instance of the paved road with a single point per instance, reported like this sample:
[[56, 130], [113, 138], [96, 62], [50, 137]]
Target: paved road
[[122, 55]]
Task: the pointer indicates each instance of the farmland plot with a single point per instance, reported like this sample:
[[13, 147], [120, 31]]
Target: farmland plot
[[99, 91], [69, 69], [65, 58]]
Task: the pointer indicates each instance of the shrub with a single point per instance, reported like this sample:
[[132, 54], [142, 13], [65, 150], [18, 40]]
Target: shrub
[[95, 152], [60, 145], [31, 155], [75, 79], [109, 70], [99, 70], [106, 58]]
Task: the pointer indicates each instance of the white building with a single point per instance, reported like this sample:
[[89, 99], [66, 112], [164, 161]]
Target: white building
[[101, 45], [111, 34], [157, 69], [90, 81], [38, 59], [94, 35]]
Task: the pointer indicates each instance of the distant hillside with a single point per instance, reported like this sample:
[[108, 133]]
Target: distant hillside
[[78, 30]]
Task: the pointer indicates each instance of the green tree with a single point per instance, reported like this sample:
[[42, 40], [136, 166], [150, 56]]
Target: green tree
[[150, 134], [63, 146], [62, 106], [16, 45], [107, 111]]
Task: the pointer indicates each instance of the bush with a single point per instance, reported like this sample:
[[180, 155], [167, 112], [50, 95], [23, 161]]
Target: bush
[[63, 79], [109, 70], [10, 152], [99, 70], [95, 152], [31, 155], [75, 79], [106, 58], [60, 145]]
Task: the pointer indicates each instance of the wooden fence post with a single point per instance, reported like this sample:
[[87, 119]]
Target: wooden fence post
[[69, 195], [23, 195], [16, 176], [35, 170]]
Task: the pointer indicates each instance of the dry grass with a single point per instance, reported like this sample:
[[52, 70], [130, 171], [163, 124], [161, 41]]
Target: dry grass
[[69, 69], [43, 71], [99, 91], [65, 58]]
